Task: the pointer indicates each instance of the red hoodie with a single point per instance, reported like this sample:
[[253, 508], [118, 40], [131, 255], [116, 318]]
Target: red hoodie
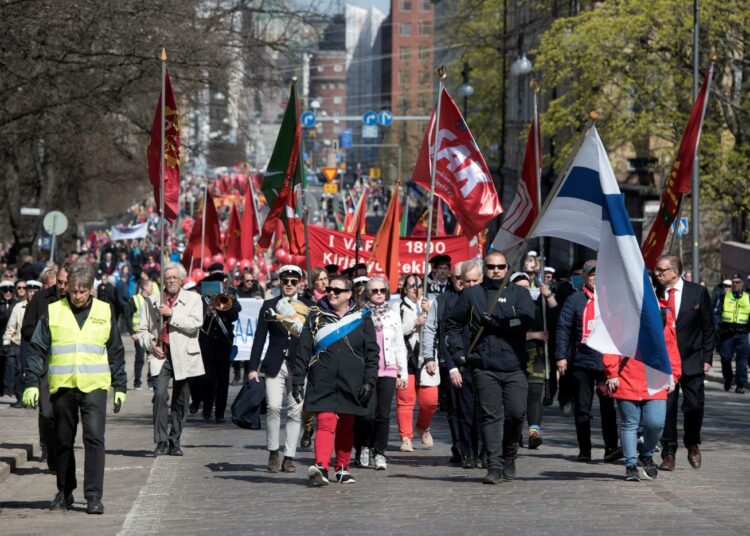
[[633, 375]]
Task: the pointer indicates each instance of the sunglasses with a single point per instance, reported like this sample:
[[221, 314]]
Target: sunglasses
[[413, 285], [19, 287], [336, 291], [496, 266], [290, 282], [377, 290], [7, 289]]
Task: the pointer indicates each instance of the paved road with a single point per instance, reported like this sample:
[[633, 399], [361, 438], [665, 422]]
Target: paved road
[[221, 486]]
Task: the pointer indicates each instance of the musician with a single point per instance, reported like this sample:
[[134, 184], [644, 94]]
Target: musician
[[280, 321], [216, 340]]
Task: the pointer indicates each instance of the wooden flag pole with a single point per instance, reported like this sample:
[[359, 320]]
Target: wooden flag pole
[[441, 76], [161, 165]]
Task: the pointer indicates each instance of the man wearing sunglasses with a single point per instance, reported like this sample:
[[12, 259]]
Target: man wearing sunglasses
[[277, 369], [497, 360], [733, 316]]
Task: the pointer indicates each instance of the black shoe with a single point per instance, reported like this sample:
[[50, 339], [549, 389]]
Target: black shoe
[[740, 389], [18, 405], [306, 439], [509, 469], [493, 477], [584, 456], [469, 462], [161, 448], [61, 502], [236, 380], [649, 466], [174, 450], [95, 506], [207, 417], [612, 455], [219, 420], [727, 385], [456, 457], [194, 407], [631, 474], [318, 475]]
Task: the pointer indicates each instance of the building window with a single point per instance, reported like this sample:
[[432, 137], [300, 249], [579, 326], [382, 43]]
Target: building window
[[404, 78], [425, 77], [338, 68], [320, 68], [425, 5], [425, 27], [405, 5], [404, 29], [404, 53], [424, 53], [337, 99]]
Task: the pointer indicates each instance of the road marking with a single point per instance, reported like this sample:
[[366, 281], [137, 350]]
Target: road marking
[[144, 515]]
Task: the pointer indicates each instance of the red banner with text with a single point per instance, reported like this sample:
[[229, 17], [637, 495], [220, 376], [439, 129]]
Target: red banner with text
[[336, 247]]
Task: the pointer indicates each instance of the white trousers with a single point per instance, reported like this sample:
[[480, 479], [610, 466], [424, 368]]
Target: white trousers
[[276, 388]]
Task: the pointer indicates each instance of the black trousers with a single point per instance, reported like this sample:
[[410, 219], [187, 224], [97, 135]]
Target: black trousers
[[534, 409], [447, 400], [179, 413], [466, 404], [93, 409], [502, 405], [138, 365], [47, 423], [371, 430], [693, 400], [584, 384], [215, 384]]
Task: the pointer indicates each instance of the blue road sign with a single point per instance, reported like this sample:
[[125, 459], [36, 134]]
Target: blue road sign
[[385, 118], [346, 139], [307, 119], [370, 119]]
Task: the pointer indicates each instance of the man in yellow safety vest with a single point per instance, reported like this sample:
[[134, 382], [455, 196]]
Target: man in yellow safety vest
[[136, 306], [733, 312], [78, 343]]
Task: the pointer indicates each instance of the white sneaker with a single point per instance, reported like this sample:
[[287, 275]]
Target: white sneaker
[[406, 445], [426, 437], [380, 463], [364, 457]]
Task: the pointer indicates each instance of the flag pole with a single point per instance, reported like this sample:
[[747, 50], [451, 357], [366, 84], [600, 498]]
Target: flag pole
[[203, 222], [161, 165], [441, 76], [255, 242], [305, 210], [593, 116]]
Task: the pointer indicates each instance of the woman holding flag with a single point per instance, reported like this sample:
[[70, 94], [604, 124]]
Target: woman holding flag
[[338, 354]]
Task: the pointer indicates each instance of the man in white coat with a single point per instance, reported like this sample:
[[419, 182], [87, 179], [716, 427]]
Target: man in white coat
[[169, 331]]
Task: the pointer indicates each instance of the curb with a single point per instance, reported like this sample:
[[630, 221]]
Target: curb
[[16, 455]]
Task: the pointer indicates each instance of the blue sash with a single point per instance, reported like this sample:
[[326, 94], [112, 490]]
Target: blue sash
[[334, 332]]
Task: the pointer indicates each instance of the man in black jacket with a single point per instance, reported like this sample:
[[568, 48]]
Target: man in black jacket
[[691, 305], [7, 301], [498, 361], [277, 368]]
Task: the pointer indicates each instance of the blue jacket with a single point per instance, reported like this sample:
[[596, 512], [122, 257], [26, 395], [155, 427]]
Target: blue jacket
[[569, 332]]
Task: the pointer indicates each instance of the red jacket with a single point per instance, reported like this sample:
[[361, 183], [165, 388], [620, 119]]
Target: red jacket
[[633, 375]]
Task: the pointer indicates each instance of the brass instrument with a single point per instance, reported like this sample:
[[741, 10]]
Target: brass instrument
[[222, 302]]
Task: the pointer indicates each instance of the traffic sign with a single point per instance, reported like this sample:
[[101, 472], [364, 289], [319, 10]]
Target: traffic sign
[[332, 188], [370, 131], [307, 119], [682, 228], [55, 223], [345, 139], [375, 172], [330, 173], [370, 119], [385, 118], [31, 211]]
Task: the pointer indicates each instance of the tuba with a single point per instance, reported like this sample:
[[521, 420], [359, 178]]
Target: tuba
[[222, 302]]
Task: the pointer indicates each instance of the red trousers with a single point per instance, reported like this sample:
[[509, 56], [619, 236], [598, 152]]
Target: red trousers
[[405, 400], [342, 427]]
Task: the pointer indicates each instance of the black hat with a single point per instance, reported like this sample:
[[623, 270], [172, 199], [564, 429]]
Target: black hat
[[215, 267], [332, 269], [737, 276], [439, 259], [214, 276]]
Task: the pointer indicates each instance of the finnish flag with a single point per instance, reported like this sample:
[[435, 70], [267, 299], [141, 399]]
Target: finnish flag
[[589, 209]]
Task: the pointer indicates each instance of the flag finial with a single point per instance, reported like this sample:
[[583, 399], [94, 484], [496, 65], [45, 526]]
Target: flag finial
[[163, 54], [534, 86], [441, 72], [593, 114]]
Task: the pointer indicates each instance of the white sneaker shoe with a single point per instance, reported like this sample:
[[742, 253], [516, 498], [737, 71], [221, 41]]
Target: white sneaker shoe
[[426, 437], [406, 445], [364, 457], [380, 463]]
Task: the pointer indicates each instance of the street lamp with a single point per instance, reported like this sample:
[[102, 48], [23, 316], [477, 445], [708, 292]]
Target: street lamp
[[521, 66], [466, 90]]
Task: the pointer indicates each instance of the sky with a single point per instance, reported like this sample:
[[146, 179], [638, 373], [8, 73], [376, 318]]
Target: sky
[[382, 5]]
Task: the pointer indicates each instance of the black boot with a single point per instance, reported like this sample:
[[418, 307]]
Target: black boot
[[61, 501]]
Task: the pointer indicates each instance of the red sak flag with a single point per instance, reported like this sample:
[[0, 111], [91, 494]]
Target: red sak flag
[[462, 178], [385, 250], [232, 243], [678, 183], [171, 154], [520, 217], [191, 257], [249, 227]]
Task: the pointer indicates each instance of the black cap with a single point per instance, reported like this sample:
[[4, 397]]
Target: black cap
[[737, 276], [439, 259], [215, 276], [332, 269], [216, 267]]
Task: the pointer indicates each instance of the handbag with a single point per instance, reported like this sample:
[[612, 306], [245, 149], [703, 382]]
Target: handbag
[[249, 403]]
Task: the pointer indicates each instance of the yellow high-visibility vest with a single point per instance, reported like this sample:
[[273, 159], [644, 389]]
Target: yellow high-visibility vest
[[139, 301], [736, 311], [78, 356]]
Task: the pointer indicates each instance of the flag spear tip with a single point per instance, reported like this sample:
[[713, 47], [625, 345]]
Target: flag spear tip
[[714, 57], [534, 85], [163, 54], [293, 81], [441, 72], [593, 114]]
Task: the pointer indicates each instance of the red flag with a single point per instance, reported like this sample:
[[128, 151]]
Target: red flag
[[212, 244], [385, 247], [249, 227], [525, 208], [678, 182], [171, 154], [232, 244], [462, 178], [359, 217]]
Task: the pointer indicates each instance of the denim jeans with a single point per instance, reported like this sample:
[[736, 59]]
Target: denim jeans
[[634, 413]]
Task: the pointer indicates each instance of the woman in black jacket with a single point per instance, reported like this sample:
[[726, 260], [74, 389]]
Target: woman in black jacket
[[338, 353]]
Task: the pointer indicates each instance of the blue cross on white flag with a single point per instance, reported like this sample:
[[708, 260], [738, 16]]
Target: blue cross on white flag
[[589, 209]]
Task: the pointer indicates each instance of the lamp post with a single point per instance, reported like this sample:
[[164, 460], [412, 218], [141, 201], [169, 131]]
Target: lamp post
[[466, 90]]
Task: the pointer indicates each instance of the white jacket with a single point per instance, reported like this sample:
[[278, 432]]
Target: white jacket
[[394, 347], [409, 315]]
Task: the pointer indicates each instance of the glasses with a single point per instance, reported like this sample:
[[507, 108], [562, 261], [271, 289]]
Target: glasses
[[20, 287], [496, 266], [337, 291], [290, 282], [659, 271], [377, 290], [727, 286], [737, 282], [7, 289], [413, 285]]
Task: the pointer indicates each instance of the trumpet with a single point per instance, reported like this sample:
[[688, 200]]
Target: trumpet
[[222, 302]]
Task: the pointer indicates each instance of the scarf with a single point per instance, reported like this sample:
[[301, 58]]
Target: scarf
[[588, 315], [378, 313]]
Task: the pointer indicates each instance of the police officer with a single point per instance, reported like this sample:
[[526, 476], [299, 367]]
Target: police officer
[[136, 305], [86, 357], [733, 311]]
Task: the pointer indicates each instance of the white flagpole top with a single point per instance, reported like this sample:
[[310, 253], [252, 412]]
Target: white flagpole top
[[163, 54]]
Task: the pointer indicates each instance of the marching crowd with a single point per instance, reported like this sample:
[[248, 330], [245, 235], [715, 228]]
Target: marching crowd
[[489, 347]]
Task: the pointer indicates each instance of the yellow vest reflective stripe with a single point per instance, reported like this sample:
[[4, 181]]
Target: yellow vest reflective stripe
[[736, 311], [78, 355], [138, 301]]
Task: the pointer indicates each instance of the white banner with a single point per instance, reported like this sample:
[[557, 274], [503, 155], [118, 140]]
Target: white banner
[[122, 232], [244, 328]]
